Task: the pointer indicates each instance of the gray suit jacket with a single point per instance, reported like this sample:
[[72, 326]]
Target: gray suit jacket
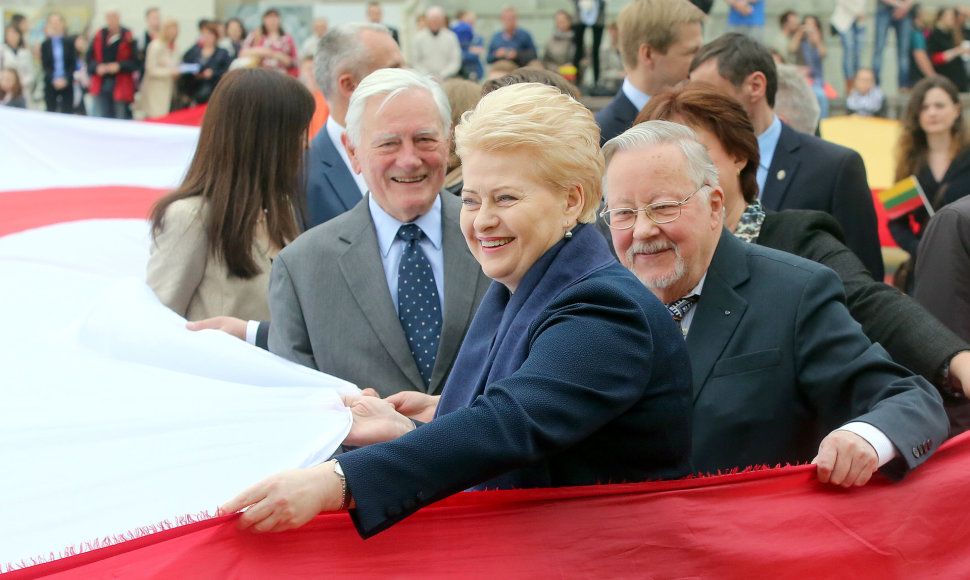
[[778, 363], [332, 311]]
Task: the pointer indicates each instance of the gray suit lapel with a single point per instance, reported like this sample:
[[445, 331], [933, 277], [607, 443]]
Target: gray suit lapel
[[462, 275], [720, 309], [363, 271]]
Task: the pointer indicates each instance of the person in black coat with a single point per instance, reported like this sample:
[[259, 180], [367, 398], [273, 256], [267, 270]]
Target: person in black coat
[[213, 62], [58, 56]]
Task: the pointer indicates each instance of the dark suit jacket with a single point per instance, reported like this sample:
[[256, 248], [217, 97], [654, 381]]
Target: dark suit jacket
[[602, 395], [914, 339], [330, 189], [47, 60], [943, 268], [332, 311], [809, 173], [616, 117], [778, 363]]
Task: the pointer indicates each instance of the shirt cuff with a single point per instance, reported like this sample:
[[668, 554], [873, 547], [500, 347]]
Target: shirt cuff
[[251, 327], [883, 446]]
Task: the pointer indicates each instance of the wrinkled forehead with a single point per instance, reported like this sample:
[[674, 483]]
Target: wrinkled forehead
[[647, 175], [422, 116]]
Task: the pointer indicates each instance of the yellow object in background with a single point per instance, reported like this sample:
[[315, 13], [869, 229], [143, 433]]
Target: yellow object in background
[[874, 138]]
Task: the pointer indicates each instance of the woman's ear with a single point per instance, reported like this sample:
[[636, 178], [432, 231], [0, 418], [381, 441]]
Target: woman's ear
[[575, 198]]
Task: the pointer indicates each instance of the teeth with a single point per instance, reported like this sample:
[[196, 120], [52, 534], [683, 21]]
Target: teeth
[[407, 180], [495, 243]]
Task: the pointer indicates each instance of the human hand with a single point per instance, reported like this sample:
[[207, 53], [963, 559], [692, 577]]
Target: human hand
[[960, 371], [101, 69], [113, 67], [375, 421], [743, 8], [900, 11], [207, 73], [415, 405], [845, 459], [288, 499], [231, 326], [60, 83]]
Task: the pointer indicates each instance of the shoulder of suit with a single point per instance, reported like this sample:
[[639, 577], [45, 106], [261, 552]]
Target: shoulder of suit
[[763, 258], [821, 146], [185, 208]]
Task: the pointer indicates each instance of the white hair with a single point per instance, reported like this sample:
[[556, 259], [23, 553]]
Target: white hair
[[700, 169], [341, 50], [389, 83], [795, 101]]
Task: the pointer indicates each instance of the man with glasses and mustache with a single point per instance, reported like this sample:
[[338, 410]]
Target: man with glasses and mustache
[[781, 372]]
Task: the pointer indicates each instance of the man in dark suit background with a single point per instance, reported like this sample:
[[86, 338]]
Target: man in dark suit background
[[345, 55], [658, 39], [777, 361], [59, 59], [797, 171]]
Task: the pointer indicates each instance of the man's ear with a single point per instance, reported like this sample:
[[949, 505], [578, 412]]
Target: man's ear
[[351, 152], [346, 84], [717, 207], [645, 54], [755, 87]]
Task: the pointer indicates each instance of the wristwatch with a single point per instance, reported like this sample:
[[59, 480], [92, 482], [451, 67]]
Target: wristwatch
[[345, 497], [950, 384]]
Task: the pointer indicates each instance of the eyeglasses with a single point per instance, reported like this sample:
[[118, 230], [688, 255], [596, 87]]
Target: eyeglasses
[[661, 212]]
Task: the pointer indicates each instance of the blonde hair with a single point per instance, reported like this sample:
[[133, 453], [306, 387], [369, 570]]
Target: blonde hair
[[168, 25], [653, 22], [560, 136]]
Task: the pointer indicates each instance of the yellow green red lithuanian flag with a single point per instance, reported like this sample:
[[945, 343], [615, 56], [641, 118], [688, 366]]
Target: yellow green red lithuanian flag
[[904, 197]]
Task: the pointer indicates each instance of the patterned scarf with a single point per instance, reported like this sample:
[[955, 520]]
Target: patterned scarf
[[749, 227]]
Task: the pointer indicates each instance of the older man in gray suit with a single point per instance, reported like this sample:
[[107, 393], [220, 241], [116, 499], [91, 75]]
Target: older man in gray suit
[[342, 294]]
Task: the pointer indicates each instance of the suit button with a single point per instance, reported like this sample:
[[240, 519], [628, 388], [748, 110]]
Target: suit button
[[410, 504], [916, 452], [393, 511]]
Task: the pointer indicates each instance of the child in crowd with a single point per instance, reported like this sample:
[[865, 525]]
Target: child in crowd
[[11, 92], [866, 98]]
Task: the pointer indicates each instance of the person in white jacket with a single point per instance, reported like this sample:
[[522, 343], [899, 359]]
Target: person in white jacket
[[435, 50]]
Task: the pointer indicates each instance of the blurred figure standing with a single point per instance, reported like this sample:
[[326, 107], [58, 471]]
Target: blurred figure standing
[[112, 62]]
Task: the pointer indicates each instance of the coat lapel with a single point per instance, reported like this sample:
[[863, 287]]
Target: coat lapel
[[782, 170], [719, 310], [336, 172], [462, 277], [363, 271]]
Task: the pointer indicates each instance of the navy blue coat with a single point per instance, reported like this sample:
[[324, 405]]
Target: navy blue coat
[[331, 189], [603, 395], [615, 118]]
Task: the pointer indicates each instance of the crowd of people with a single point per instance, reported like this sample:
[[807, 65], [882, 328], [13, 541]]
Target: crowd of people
[[532, 295]]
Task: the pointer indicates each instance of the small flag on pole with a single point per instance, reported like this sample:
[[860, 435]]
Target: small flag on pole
[[904, 197]]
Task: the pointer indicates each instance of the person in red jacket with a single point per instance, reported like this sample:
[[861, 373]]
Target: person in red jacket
[[112, 62]]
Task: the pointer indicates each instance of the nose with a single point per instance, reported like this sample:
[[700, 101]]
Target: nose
[[408, 156], [485, 218], [644, 228]]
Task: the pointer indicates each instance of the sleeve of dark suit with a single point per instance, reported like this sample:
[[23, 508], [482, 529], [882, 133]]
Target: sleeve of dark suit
[[853, 207], [287, 336], [903, 234], [943, 269], [552, 402], [848, 378], [262, 335], [47, 60], [913, 337]]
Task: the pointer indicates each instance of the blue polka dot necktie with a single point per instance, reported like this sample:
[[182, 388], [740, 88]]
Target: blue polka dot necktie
[[418, 304]]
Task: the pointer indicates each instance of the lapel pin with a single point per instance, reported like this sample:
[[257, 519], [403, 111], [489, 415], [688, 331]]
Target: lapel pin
[[781, 174]]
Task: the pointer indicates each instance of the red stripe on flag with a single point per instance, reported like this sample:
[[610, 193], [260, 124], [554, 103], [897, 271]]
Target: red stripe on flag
[[24, 210], [778, 523], [904, 208]]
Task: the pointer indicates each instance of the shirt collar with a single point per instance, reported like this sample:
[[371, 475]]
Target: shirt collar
[[699, 288], [636, 96], [387, 226], [768, 142]]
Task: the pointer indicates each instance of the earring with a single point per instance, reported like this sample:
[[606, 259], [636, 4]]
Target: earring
[[568, 235]]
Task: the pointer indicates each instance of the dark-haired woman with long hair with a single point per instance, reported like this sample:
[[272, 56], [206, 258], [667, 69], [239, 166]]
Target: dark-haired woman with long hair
[[934, 145], [215, 235]]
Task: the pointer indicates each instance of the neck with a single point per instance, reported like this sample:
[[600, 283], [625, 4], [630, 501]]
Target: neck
[[762, 116], [338, 109], [640, 79], [939, 142], [733, 211]]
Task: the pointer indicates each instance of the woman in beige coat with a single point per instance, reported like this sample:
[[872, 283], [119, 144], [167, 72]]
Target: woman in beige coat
[[161, 70], [215, 235]]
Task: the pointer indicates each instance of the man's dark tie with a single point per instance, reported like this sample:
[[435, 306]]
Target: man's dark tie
[[679, 308], [419, 307]]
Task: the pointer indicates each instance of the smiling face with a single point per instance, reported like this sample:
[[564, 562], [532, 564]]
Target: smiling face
[[510, 219], [670, 259], [938, 113], [403, 152]]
